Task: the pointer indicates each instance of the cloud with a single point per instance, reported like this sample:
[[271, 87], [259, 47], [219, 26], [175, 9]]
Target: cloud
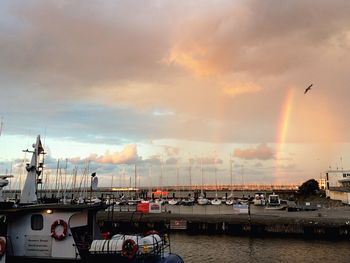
[[172, 161], [153, 160], [125, 156], [258, 37], [258, 165], [123, 72], [171, 151], [239, 88], [261, 152], [206, 160]]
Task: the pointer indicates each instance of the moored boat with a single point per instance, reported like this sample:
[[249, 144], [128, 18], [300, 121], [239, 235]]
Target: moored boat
[[274, 200], [216, 200], [259, 199], [32, 231]]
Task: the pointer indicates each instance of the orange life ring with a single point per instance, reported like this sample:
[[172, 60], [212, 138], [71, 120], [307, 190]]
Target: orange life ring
[[2, 247], [129, 248], [54, 225]]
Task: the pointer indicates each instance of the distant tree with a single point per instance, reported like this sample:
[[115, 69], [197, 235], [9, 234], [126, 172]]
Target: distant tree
[[309, 187]]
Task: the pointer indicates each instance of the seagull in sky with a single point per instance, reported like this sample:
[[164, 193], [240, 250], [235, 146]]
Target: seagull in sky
[[308, 88]]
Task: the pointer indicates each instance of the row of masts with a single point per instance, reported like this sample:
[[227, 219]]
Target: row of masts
[[60, 180]]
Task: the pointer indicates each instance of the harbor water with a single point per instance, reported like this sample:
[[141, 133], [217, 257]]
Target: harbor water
[[238, 249]]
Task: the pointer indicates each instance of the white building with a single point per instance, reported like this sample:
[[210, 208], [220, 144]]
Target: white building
[[338, 185]]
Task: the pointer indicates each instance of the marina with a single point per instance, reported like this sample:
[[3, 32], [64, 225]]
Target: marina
[[52, 230], [174, 131]]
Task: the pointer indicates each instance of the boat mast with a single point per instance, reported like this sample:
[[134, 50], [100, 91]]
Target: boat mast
[[56, 181], [231, 175], [202, 193], [34, 169], [216, 181], [135, 181], [190, 175], [1, 125], [177, 180]]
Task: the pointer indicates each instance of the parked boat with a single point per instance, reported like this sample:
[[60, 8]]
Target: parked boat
[[173, 201], [216, 201], [31, 231], [230, 199], [188, 201], [259, 199], [202, 200], [274, 200]]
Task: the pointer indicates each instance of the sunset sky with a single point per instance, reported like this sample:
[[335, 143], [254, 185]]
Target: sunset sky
[[178, 83]]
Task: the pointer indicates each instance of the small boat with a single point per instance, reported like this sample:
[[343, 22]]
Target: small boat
[[188, 201], [259, 199], [202, 200], [143, 201], [32, 231], [274, 200], [230, 201], [216, 201], [173, 201]]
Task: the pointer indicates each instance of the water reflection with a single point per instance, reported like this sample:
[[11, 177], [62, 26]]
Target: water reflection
[[223, 248]]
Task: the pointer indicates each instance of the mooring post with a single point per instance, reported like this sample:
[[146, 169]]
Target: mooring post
[[249, 217]]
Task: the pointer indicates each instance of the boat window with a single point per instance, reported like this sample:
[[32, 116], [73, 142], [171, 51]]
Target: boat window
[[37, 222]]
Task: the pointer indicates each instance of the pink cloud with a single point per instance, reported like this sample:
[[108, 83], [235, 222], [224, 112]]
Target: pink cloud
[[261, 152], [127, 155]]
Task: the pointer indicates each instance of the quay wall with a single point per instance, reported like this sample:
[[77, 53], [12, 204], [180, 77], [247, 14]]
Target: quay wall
[[307, 224]]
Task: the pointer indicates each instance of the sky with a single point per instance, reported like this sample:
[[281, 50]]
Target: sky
[[169, 85]]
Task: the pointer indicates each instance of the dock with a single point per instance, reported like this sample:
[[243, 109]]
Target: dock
[[321, 223]]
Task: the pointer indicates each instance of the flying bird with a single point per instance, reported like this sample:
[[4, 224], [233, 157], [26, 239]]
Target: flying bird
[[308, 88]]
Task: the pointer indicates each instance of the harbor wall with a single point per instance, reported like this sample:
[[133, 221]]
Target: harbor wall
[[298, 224]]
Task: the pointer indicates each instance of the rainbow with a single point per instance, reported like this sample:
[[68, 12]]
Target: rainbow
[[282, 131]]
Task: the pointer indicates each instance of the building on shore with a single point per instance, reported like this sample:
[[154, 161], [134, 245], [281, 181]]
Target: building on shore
[[338, 185], [322, 183]]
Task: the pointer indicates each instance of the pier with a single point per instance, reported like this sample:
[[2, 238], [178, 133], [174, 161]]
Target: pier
[[322, 223]]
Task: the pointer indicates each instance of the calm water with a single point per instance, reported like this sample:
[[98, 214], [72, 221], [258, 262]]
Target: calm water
[[233, 249]]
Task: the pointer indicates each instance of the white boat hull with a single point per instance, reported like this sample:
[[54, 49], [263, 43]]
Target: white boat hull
[[202, 201], [216, 202]]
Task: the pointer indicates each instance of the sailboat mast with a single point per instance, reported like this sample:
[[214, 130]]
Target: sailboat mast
[[231, 174], [202, 177], [177, 180], [56, 181], [190, 174], [216, 181], [135, 179], [1, 125]]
